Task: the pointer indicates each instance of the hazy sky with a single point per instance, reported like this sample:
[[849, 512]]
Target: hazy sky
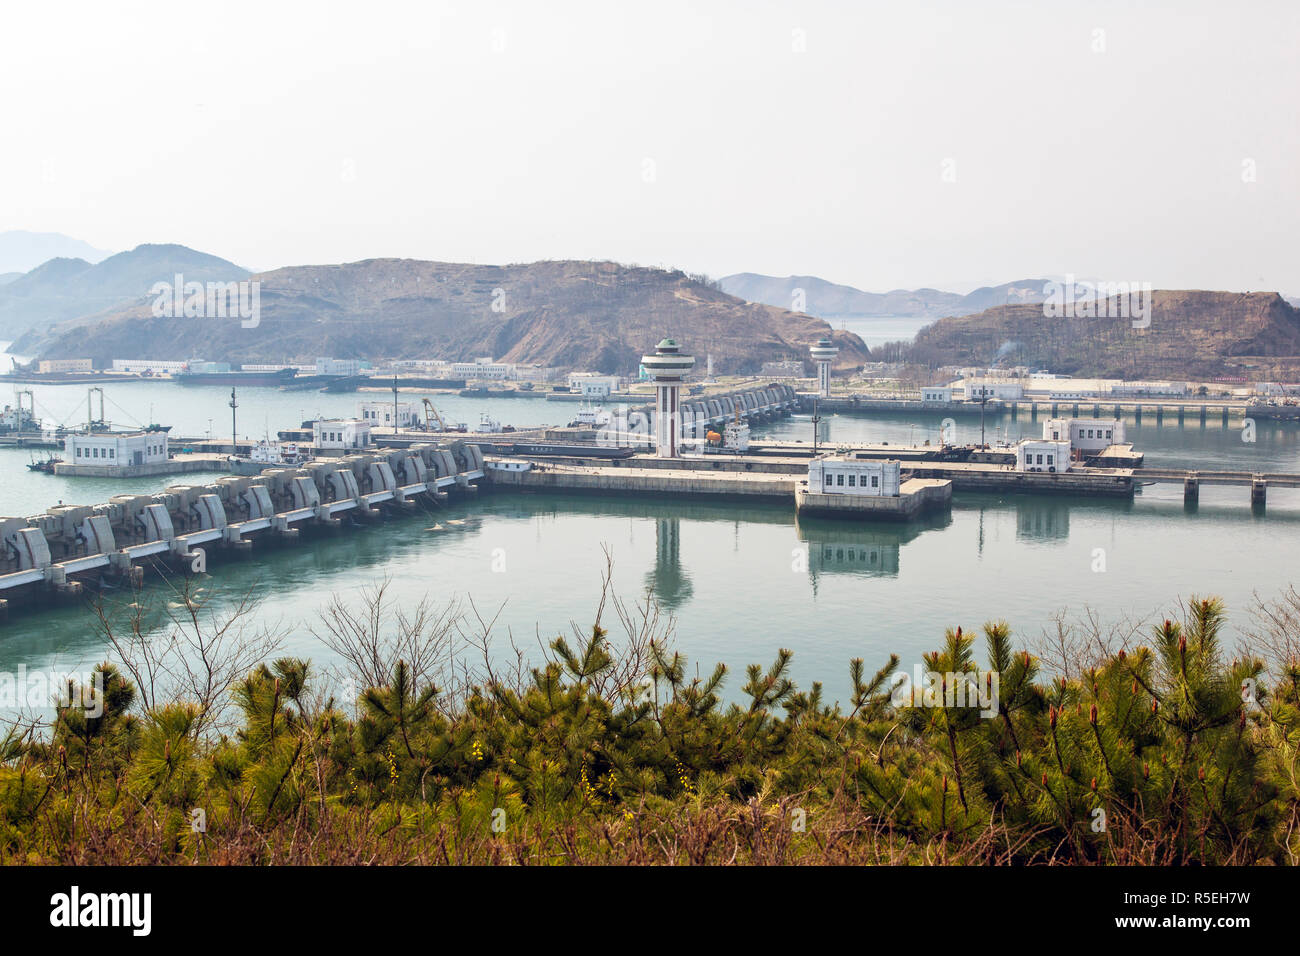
[[881, 145]]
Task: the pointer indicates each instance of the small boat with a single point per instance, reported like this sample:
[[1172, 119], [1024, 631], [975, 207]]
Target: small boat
[[266, 454], [590, 417], [45, 465]]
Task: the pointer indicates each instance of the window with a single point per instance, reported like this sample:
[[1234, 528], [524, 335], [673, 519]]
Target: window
[[839, 480], [853, 480], [1040, 459], [112, 453], [829, 478], [1051, 459], [875, 481], [1107, 432]]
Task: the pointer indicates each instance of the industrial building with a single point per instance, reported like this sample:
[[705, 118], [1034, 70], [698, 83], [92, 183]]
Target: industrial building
[[339, 434], [151, 366], [1085, 434], [345, 367], [839, 475], [119, 450], [1043, 455], [380, 414], [592, 384], [47, 366]]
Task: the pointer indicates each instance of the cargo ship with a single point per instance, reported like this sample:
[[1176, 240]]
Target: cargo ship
[[250, 379]]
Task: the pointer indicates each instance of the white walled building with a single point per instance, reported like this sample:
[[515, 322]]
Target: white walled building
[[337, 434], [976, 388], [936, 393], [115, 449], [834, 475], [380, 414], [577, 380], [482, 368], [154, 366], [64, 365], [1042, 455], [332, 366], [1085, 434], [1063, 388]]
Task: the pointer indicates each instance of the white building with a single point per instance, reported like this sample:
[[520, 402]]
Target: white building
[[152, 366], [331, 366], [975, 389], [115, 449], [1150, 388], [1062, 388], [1085, 434], [380, 414], [577, 380], [340, 434], [482, 368], [1042, 455], [834, 475], [936, 393], [64, 365]]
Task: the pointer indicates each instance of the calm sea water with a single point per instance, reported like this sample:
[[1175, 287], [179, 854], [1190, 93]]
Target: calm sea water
[[877, 331], [740, 580]]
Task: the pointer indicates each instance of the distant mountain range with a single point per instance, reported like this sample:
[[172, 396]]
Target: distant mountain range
[[75, 291], [22, 251], [829, 300], [603, 316], [593, 315]]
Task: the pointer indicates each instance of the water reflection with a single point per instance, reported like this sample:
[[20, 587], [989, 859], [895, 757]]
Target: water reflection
[[864, 549], [668, 579]]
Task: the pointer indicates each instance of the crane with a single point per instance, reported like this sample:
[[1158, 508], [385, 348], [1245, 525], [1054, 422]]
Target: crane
[[431, 418]]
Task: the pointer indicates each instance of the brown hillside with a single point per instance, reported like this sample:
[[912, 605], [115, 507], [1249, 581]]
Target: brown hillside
[[596, 315], [1193, 334]]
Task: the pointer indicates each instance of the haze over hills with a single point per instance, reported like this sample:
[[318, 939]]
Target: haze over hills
[[830, 300], [1192, 334], [22, 251], [575, 314], [64, 290]]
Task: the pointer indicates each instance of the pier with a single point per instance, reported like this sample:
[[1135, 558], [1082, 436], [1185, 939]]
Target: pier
[[1225, 413], [1191, 481], [667, 478]]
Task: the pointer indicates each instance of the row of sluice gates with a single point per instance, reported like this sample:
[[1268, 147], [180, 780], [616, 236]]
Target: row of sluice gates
[[68, 539]]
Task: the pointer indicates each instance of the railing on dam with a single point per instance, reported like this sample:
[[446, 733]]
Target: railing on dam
[[701, 412], [49, 549]]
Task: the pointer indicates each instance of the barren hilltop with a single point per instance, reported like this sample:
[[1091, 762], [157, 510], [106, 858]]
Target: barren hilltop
[[1192, 334], [596, 315]]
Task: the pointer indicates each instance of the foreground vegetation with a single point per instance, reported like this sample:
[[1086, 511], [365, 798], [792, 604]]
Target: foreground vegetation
[[1147, 754]]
